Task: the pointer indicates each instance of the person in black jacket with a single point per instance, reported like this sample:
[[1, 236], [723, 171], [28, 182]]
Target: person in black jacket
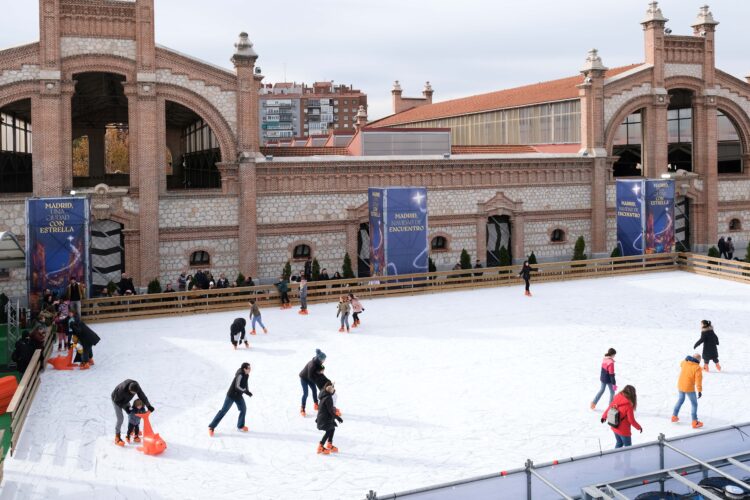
[[309, 377], [525, 273], [308, 269], [326, 420], [234, 395], [238, 328], [709, 340], [23, 352], [121, 396], [125, 285]]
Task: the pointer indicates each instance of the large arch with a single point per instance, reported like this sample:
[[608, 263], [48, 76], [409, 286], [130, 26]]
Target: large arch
[[739, 118], [630, 107]]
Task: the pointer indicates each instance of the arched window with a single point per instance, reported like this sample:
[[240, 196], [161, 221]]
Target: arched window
[[200, 258], [729, 147], [557, 236], [439, 243], [735, 225], [301, 252]]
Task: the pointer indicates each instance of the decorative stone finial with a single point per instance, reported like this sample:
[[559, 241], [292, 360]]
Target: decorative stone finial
[[245, 47], [396, 86], [361, 113], [593, 62], [427, 87], [705, 17], [653, 14]]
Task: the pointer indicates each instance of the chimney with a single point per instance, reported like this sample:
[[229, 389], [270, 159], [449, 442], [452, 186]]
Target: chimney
[[396, 93], [427, 93], [361, 118]]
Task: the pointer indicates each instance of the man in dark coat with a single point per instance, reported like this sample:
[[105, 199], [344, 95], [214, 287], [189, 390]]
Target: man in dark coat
[[121, 396], [308, 269], [722, 248], [75, 292], [326, 420], [309, 376], [237, 389], [126, 284], [88, 339], [23, 352], [710, 341], [237, 332]]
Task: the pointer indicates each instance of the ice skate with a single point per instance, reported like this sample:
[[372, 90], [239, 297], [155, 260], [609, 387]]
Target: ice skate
[[705, 367], [234, 347], [91, 362], [136, 439], [247, 344], [697, 424], [354, 325], [315, 406], [322, 450], [265, 330], [252, 332], [119, 441], [341, 330], [347, 330], [675, 419], [331, 448], [127, 438], [302, 412], [338, 412], [592, 406], [83, 366], [718, 367], [242, 429], [210, 432]]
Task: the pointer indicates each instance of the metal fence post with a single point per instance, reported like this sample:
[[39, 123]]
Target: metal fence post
[[529, 465], [661, 459]]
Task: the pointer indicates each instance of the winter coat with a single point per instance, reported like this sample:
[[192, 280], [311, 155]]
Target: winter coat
[[526, 272], [709, 341], [238, 386], [222, 283], [282, 286], [74, 292], [344, 308], [133, 418], [722, 245], [121, 396], [357, 305], [627, 417], [126, 284], [255, 311], [22, 354], [308, 269], [729, 245], [607, 375], [691, 376], [326, 418], [311, 370], [237, 328], [87, 335], [321, 381]]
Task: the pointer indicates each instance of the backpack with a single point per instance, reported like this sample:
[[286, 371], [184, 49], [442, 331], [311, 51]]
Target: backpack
[[613, 416]]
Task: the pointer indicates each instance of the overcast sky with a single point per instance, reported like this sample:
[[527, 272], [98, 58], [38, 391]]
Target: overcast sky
[[462, 47]]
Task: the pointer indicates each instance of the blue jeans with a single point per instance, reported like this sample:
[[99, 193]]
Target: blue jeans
[[693, 402], [345, 321], [623, 441], [256, 319], [601, 391], [305, 384], [224, 409]]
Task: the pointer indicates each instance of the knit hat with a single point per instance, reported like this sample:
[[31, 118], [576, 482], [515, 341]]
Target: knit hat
[[320, 355]]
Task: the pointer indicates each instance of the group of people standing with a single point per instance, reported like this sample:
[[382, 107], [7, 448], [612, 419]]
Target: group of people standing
[[620, 413], [726, 248]]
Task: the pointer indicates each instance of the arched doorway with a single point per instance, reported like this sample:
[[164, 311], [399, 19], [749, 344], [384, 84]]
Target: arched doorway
[[363, 250], [627, 144], [107, 254], [499, 251], [16, 148], [194, 148], [101, 146]]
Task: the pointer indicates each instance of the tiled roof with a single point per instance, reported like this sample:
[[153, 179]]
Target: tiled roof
[[302, 151], [555, 90]]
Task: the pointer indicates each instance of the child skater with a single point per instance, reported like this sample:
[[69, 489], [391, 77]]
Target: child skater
[[356, 309], [326, 420], [237, 333], [255, 317], [283, 287], [525, 273], [343, 312], [61, 323], [303, 295], [607, 377], [709, 341], [134, 421]]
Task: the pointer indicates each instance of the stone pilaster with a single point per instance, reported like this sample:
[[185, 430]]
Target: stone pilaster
[[481, 237], [49, 34], [144, 36], [47, 119], [655, 151], [352, 230], [591, 93], [518, 226], [599, 206], [248, 218]]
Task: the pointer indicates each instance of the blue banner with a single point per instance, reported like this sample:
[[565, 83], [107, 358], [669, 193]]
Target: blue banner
[[398, 230], [659, 216], [630, 212], [57, 245]]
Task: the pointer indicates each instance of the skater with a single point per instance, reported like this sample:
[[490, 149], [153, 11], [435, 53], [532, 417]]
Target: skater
[[729, 248], [134, 422], [72, 326], [343, 312], [283, 287], [309, 377], [357, 309], [607, 377], [303, 295], [255, 317], [709, 341], [525, 273], [234, 395], [321, 382], [62, 329], [690, 382], [121, 397], [625, 402], [326, 420], [237, 333]]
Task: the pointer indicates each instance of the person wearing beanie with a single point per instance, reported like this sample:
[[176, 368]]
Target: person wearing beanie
[[710, 342], [309, 377], [607, 377]]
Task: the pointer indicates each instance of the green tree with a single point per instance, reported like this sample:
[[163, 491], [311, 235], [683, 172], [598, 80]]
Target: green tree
[[747, 252], [154, 286], [240, 279], [287, 272], [315, 270], [465, 259], [579, 250], [346, 269], [116, 149], [81, 156], [504, 257], [616, 252], [532, 259], [111, 287], [714, 252]]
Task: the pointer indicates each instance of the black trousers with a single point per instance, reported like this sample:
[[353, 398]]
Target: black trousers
[[328, 436], [527, 284], [284, 298]]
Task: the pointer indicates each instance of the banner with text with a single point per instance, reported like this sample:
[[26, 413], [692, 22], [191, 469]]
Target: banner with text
[[57, 245], [659, 234], [630, 210], [398, 230]]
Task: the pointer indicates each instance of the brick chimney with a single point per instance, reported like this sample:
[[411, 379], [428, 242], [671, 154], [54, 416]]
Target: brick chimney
[[404, 103], [427, 93]]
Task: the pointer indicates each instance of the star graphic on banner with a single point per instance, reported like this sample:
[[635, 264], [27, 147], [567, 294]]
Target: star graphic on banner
[[636, 189], [418, 197]]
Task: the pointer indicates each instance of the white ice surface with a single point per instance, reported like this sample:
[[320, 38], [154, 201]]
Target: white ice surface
[[433, 388]]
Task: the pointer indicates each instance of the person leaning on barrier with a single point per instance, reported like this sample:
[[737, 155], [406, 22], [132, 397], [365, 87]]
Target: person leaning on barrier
[[23, 352]]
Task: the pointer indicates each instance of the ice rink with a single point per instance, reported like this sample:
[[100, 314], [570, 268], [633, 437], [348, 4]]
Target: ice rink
[[433, 388]]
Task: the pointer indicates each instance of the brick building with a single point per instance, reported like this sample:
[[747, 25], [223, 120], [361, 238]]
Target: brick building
[[200, 191]]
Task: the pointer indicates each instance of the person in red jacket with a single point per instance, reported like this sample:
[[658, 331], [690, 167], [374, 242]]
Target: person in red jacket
[[626, 402]]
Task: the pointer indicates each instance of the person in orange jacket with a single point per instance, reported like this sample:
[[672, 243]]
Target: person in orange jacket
[[690, 382], [626, 402]]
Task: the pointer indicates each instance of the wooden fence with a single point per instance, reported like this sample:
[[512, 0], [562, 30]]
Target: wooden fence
[[735, 270], [199, 301]]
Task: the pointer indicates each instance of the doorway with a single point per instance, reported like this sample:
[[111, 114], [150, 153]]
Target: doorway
[[498, 241]]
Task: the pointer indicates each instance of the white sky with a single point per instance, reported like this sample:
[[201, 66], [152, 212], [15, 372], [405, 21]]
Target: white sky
[[462, 47]]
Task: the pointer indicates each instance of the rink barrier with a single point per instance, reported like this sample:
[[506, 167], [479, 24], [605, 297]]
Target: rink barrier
[[675, 464], [202, 301], [23, 397], [734, 270]]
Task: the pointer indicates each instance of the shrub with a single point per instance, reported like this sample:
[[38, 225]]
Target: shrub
[[111, 287], [154, 286], [714, 252], [315, 270], [240, 279], [504, 256], [579, 251], [465, 259], [616, 252], [747, 253], [286, 273], [346, 269], [532, 259]]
